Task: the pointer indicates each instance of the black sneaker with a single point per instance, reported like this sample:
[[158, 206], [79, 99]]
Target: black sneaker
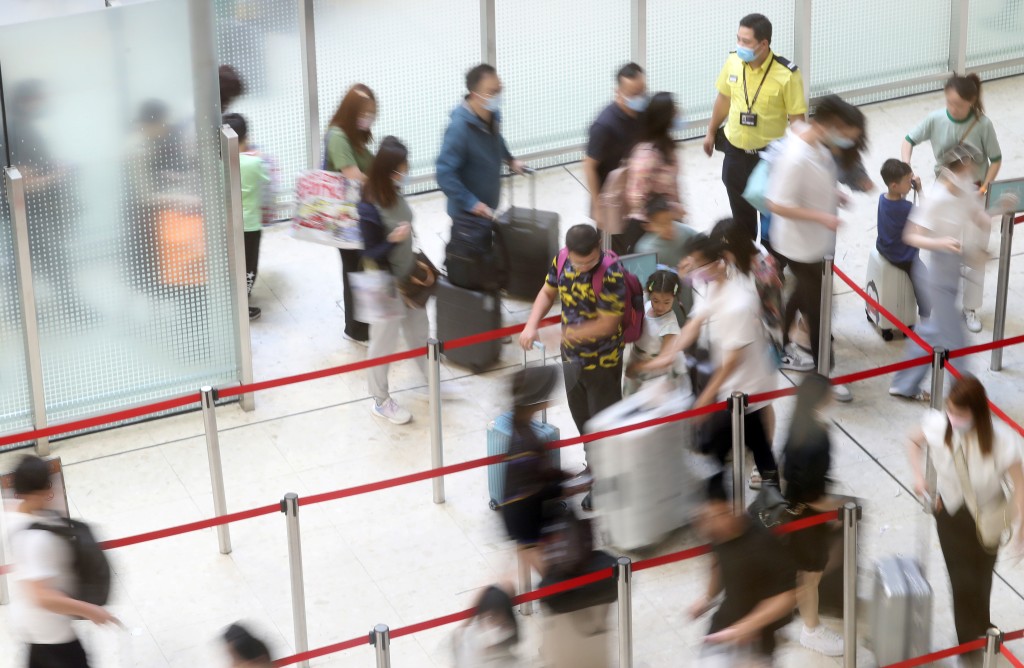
[[587, 504], [254, 313]]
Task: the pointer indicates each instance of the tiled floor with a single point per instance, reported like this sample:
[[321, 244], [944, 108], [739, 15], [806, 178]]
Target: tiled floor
[[395, 557]]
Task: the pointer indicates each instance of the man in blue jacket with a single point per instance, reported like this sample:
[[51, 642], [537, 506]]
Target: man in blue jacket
[[469, 165]]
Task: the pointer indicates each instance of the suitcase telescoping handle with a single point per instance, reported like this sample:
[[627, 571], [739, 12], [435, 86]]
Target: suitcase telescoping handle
[[532, 173], [537, 345]]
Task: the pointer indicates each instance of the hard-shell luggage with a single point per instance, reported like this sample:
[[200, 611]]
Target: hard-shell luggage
[[499, 439], [576, 639], [530, 238], [891, 288], [901, 610], [648, 482], [462, 312]]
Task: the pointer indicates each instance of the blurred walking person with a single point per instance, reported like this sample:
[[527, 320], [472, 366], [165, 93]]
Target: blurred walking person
[[44, 575]]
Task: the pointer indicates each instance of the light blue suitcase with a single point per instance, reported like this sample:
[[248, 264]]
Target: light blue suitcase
[[499, 438]]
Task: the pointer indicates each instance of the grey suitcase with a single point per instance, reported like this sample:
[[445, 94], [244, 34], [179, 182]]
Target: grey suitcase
[[901, 612], [499, 438], [462, 312]]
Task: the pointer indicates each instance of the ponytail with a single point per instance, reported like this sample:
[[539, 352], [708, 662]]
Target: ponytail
[[968, 88]]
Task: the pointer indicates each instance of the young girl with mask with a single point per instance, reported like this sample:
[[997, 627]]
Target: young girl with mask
[[660, 326], [973, 456], [943, 227], [804, 198]]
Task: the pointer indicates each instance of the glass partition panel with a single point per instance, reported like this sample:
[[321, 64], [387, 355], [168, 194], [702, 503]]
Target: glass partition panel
[[685, 52], [260, 39], [414, 55], [558, 62], [125, 203], [15, 401], [19, 11], [866, 43], [995, 32]]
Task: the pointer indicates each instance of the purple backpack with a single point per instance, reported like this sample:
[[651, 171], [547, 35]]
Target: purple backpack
[[633, 315]]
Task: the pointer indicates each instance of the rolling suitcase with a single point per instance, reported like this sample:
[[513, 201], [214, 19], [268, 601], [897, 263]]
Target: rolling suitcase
[[462, 312], [499, 437], [891, 288], [530, 239], [901, 610], [576, 639], [647, 483]]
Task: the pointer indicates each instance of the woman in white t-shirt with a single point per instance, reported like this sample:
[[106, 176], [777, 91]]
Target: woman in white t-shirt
[[731, 311], [966, 446], [660, 327], [804, 198], [942, 228]]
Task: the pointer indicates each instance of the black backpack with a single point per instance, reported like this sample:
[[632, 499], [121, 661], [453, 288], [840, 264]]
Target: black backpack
[[91, 568]]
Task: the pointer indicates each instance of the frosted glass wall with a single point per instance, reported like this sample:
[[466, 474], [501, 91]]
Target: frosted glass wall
[[125, 202]]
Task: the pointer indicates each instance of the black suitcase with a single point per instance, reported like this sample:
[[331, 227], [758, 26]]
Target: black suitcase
[[462, 312], [530, 238]]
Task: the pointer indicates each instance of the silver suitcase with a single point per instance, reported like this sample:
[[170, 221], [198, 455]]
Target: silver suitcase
[[891, 288], [646, 482], [901, 610]]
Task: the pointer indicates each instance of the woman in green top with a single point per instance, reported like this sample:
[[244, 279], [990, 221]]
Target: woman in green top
[[963, 121], [348, 135]]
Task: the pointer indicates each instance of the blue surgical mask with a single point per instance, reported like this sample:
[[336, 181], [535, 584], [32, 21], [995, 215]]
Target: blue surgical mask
[[841, 142], [637, 103], [746, 54], [493, 103], [679, 124], [403, 180]]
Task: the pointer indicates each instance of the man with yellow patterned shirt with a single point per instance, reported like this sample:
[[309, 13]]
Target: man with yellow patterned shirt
[[592, 339], [759, 93]]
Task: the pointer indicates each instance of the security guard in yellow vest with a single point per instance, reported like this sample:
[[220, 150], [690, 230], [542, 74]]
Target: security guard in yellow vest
[[759, 92]]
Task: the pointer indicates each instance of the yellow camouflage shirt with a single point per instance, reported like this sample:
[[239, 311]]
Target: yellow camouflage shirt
[[580, 304]]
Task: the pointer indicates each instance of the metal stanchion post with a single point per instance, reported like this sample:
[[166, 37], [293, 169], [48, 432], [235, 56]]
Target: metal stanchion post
[[737, 405], [624, 576], [993, 641], [606, 240], [850, 515], [525, 582], [290, 507], [220, 504], [1002, 287], [825, 328], [380, 638], [436, 444], [939, 356]]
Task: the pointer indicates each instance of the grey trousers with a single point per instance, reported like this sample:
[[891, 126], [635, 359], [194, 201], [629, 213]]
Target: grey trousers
[[414, 327], [943, 328]]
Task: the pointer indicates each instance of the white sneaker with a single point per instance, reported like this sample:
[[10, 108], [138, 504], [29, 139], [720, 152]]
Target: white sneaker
[[843, 394], [391, 411], [755, 480], [794, 360], [822, 640], [972, 320]]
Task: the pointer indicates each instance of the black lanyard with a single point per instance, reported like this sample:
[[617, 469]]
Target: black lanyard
[[750, 105]]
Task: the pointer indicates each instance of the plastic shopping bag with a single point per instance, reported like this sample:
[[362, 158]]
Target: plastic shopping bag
[[325, 210], [377, 298]]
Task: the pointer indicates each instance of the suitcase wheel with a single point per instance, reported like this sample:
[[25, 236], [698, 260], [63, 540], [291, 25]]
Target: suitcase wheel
[[492, 504], [887, 334]]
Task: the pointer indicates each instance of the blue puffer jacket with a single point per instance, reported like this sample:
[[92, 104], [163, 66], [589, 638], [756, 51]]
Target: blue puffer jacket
[[469, 165]]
